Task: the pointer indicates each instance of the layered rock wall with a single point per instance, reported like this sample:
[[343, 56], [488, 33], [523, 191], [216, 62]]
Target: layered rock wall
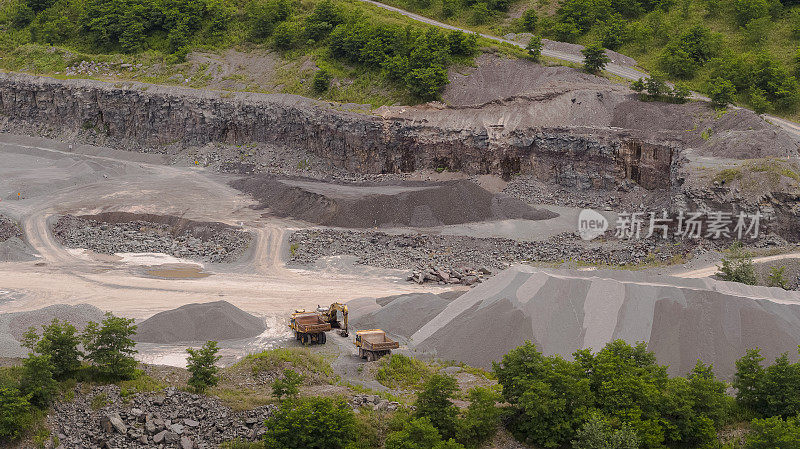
[[150, 117]]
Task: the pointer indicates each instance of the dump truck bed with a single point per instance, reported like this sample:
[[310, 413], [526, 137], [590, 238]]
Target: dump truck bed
[[311, 324], [377, 341]]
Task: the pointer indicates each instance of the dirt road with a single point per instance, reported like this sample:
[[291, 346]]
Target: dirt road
[[54, 181], [712, 269]]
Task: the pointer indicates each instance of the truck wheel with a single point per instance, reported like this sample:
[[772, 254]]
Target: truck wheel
[[304, 338], [370, 356], [296, 335], [323, 338]]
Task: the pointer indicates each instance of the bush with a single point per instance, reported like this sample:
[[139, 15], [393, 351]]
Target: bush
[[594, 58], [434, 402], [681, 93], [722, 93], [15, 413], [481, 419], [773, 433], [534, 47], [771, 391], [419, 433], [759, 102], [462, 44], [284, 35], [399, 370], [60, 342], [747, 10], [265, 15], [598, 433], [427, 83], [110, 348], [737, 265], [777, 277], [317, 422], [528, 20], [288, 386], [37, 380], [613, 34], [201, 364], [322, 80]]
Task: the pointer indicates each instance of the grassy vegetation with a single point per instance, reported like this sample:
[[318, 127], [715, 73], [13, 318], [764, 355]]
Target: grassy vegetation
[[759, 174], [300, 359], [400, 371]]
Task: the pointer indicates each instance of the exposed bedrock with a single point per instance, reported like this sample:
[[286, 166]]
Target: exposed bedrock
[[140, 116]]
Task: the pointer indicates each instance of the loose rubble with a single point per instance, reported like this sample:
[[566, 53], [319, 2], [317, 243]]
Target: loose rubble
[[221, 245], [8, 229], [441, 275], [425, 253], [171, 418], [373, 402]]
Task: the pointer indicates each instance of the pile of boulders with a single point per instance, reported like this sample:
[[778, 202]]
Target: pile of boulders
[[373, 402], [171, 418], [442, 275], [217, 245]]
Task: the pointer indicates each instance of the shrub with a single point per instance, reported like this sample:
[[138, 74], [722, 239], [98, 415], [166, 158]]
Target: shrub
[[528, 20], [265, 15], [427, 83], [434, 402], [110, 348], [317, 422], [773, 433], [201, 364], [419, 433], [15, 413], [656, 86], [777, 277], [594, 58], [322, 81], [638, 86], [288, 386], [37, 380], [681, 93], [613, 34], [721, 92], [481, 419], [480, 13], [534, 47], [758, 100], [747, 10], [598, 433], [737, 266], [399, 370], [462, 44], [284, 35]]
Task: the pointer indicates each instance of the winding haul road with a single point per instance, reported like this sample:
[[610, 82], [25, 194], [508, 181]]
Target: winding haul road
[[619, 70]]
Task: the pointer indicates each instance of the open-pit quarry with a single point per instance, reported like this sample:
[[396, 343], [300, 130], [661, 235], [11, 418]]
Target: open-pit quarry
[[451, 225]]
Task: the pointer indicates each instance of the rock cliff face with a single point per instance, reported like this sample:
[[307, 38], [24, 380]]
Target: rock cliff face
[[139, 116]]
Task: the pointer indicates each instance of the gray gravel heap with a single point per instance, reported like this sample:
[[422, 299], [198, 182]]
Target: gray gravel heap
[[153, 420], [8, 229], [421, 251], [221, 245]]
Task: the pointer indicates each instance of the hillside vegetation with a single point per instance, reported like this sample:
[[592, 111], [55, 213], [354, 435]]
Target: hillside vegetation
[[344, 39], [746, 47]]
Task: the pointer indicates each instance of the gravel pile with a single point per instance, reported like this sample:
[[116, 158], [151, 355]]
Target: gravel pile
[[169, 419], [199, 241], [419, 251], [13, 325], [8, 229], [218, 321]]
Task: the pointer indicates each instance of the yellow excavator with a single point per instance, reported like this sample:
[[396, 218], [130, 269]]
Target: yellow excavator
[[331, 315]]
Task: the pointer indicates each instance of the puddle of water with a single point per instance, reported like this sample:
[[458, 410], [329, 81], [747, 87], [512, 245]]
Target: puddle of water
[[153, 259], [177, 271]]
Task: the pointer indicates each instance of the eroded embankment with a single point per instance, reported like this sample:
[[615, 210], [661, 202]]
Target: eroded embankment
[[140, 116]]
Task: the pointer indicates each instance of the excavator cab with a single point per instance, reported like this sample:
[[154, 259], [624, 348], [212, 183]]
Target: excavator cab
[[332, 315]]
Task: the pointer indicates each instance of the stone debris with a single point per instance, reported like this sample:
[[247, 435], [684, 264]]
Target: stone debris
[[373, 402], [171, 418], [461, 275], [8, 229], [220, 245]]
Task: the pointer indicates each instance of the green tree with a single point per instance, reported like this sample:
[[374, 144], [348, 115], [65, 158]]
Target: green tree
[[201, 363], [780, 388], [481, 419], [284, 35], [110, 347], [288, 386], [777, 277], [638, 86], [480, 13], [528, 20], [59, 341], [37, 380], [759, 102], [426, 83], [749, 379], [613, 32], [737, 265], [265, 15], [656, 86], [534, 47], [15, 413], [773, 433], [747, 10], [435, 403], [316, 422], [594, 58]]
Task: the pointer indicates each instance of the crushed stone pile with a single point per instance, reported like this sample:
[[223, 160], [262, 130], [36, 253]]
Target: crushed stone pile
[[13, 325], [169, 418], [400, 315], [682, 320], [562, 311], [112, 233], [12, 246], [369, 206], [451, 252], [8, 229], [219, 320]]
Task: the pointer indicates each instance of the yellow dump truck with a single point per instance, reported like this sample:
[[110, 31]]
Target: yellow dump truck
[[309, 327], [331, 315], [373, 344]]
